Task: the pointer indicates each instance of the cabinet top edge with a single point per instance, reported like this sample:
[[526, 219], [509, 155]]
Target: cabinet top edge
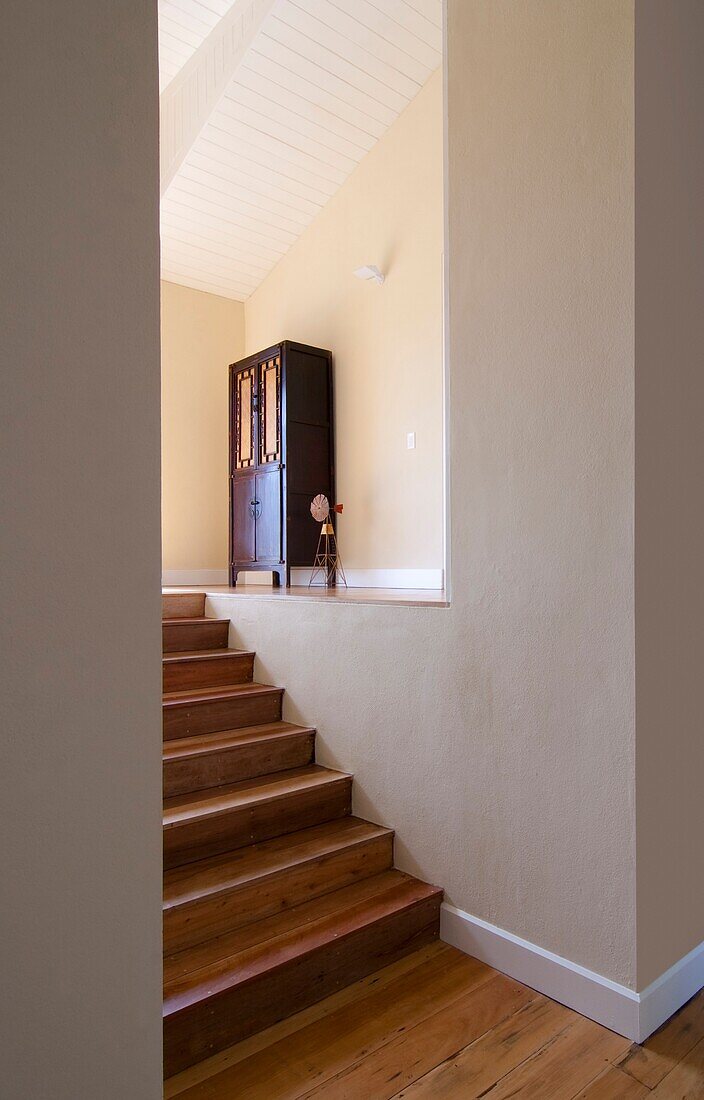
[[283, 345]]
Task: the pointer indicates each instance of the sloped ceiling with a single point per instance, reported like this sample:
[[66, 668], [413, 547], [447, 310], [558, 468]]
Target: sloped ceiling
[[317, 87]]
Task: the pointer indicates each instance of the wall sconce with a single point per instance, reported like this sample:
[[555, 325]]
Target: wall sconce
[[370, 272]]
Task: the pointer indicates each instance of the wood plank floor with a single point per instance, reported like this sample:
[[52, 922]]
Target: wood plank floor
[[439, 1024]]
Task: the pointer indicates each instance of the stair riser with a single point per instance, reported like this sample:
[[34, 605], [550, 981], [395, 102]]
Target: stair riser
[[201, 1030], [183, 605], [200, 838], [214, 715], [208, 672], [189, 636], [241, 762], [203, 919]]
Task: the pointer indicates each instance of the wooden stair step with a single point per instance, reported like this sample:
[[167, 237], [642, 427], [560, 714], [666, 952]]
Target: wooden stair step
[[221, 991], [213, 759], [210, 710], [186, 971], [207, 668], [181, 634], [182, 605], [212, 896], [205, 823]]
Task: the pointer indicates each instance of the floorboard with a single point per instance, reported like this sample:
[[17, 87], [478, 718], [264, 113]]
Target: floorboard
[[439, 1025], [614, 1084], [686, 1080]]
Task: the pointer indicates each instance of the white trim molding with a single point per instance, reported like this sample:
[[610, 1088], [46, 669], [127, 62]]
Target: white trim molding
[[635, 1015], [671, 990], [427, 579], [431, 579], [194, 576]]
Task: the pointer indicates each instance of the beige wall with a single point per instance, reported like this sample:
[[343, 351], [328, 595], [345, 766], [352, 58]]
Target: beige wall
[[498, 736], [387, 341], [670, 473], [541, 324], [201, 334], [80, 749]]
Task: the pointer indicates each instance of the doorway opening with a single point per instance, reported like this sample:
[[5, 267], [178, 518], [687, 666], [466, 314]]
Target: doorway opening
[[303, 202]]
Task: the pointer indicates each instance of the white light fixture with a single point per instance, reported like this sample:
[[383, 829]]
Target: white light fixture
[[370, 271]]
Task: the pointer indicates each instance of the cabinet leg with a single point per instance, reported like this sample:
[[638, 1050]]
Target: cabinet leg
[[234, 574]]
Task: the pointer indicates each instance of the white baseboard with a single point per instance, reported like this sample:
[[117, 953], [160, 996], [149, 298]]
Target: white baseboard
[[600, 999], [194, 576], [356, 578], [635, 1015], [383, 578], [671, 990], [368, 578]]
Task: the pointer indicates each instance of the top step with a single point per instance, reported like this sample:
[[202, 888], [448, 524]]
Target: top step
[[182, 605]]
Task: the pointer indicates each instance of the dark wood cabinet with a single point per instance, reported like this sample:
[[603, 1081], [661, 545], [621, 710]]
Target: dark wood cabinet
[[281, 456]]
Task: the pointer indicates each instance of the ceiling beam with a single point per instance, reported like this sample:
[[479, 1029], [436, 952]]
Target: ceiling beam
[[186, 104]]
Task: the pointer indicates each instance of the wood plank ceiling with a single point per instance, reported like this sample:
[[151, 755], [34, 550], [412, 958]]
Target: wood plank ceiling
[[321, 83]]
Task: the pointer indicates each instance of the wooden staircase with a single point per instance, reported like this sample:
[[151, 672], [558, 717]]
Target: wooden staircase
[[274, 895]]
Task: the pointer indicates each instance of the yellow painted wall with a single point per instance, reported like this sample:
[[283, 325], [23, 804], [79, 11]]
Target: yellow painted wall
[[200, 334], [387, 341]]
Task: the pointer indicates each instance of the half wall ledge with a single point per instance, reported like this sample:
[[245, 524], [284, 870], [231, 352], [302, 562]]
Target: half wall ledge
[[403, 597]]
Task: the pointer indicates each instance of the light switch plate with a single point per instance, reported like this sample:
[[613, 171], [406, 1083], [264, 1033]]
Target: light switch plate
[[411, 441]]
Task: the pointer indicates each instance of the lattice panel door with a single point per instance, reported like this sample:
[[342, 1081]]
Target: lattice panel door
[[245, 423], [270, 411]]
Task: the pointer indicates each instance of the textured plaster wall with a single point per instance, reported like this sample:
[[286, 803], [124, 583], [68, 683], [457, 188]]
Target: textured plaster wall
[[670, 469], [498, 736], [80, 678]]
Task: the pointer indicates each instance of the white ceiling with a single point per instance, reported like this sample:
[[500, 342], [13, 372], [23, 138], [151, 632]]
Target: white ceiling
[[319, 85]]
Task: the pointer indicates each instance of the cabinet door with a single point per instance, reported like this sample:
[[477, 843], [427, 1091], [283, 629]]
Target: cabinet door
[[244, 427], [244, 511], [270, 411], [268, 495]]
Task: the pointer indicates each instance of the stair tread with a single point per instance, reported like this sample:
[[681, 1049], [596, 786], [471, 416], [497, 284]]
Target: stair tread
[[233, 959], [225, 691], [180, 748], [217, 800], [203, 654], [210, 876]]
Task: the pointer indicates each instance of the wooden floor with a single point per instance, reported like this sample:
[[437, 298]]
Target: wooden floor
[[439, 1024]]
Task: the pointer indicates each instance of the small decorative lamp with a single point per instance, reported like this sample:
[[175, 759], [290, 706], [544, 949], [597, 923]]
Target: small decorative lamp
[[327, 568]]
